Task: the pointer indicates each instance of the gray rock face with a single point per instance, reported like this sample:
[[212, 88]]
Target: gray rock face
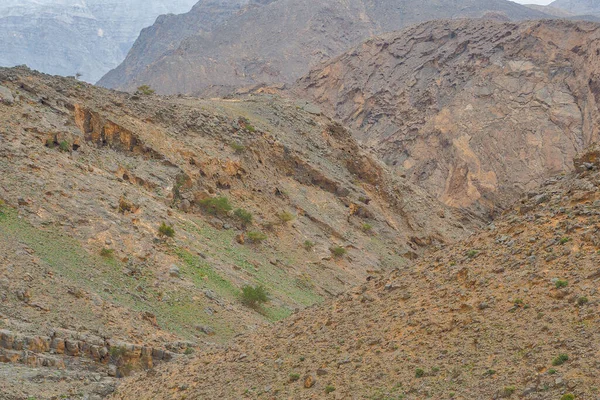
[[474, 111], [273, 41], [75, 36]]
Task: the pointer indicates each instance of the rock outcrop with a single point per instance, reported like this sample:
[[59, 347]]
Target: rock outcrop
[[273, 41], [476, 112]]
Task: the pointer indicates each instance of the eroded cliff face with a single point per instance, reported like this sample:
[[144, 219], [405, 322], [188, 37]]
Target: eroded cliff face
[[474, 111]]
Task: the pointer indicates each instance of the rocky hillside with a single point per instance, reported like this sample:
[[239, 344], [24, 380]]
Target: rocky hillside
[[66, 37], [130, 225], [275, 41], [511, 312], [475, 112]]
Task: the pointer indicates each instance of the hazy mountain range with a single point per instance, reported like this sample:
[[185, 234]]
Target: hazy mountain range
[[66, 37]]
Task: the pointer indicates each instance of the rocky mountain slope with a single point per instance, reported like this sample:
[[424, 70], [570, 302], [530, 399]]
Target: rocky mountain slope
[[275, 41], [511, 312], [262, 191], [476, 112], [66, 37]]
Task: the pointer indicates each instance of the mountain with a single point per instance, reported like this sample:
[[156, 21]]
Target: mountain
[[76, 36], [578, 7], [475, 112], [510, 312], [275, 41], [262, 192]]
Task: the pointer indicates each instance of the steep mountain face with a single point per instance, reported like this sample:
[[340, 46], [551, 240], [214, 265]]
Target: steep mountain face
[[91, 285], [275, 41], [476, 112], [66, 37], [508, 313]]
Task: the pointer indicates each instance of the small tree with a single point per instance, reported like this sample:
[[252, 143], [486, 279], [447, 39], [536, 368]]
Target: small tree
[[166, 230], [254, 296], [145, 89]]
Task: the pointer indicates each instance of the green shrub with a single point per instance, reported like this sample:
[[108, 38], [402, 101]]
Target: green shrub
[[419, 373], [560, 360], [366, 227], [50, 143], [565, 240], [107, 253], [64, 146], [216, 205], [329, 389], [243, 215], [256, 237], [166, 230], [254, 296], [308, 245], [145, 89], [285, 217], [337, 251], [250, 128], [551, 371], [294, 377], [582, 301], [507, 391], [238, 148], [561, 284], [472, 253], [568, 396]]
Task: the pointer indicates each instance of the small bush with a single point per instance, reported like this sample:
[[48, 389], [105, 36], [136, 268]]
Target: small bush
[[551, 371], [250, 128], [216, 205], [560, 360], [244, 216], [254, 296], [50, 143], [582, 301], [507, 391], [107, 253], [519, 303], [294, 377], [256, 237], [188, 351], [64, 146], [568, 396], [472, 253], [308, 245], [565, 240], [366, 227], [329, 389], [238, 148], [116, 352], [285, 217], [145, 89], [419, 373], [337, 251], [166, 230], [561, 284]]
